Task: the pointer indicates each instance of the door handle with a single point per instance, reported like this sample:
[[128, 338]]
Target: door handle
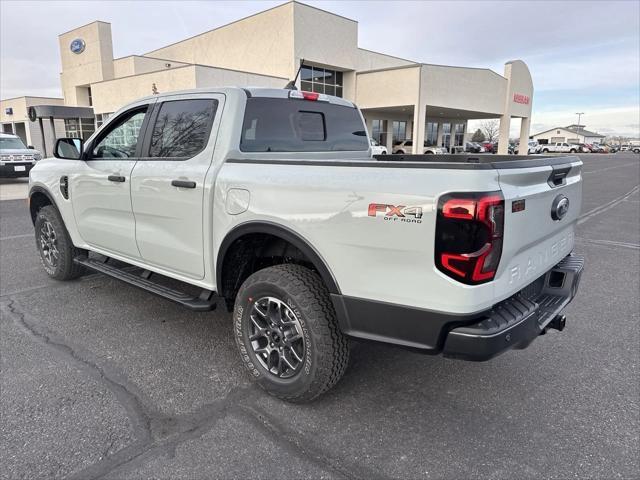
[[183, 183], [116, 178]]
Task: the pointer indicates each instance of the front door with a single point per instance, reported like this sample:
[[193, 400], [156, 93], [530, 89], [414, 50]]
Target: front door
[[101, 189], [167, 184]]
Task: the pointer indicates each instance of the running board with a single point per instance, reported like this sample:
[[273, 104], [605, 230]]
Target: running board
[[204, 302]]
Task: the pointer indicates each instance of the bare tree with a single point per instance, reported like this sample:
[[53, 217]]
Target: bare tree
[[491, 129]]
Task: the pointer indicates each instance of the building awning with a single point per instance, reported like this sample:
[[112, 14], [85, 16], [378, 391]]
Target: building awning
[[58, 111]]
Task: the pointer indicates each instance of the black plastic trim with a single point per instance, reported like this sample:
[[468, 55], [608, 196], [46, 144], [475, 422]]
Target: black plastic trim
[[38, 189], [411, 327], [285, 234], [453, 162]]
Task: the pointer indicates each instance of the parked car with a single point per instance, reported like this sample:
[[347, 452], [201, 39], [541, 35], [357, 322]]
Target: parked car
[[595, 148], [376, 148], [559, 147], [406, 147], [297, 257], [474, 147], [532, 147], [635, 148], [490, 147], [583, 148], [625, 148], [16, 160]]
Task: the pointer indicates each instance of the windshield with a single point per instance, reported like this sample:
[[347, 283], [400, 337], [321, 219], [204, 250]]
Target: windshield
[[7, 143]]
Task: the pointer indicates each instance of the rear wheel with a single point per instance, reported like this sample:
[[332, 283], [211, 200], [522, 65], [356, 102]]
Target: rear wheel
[[287, 334], [573, 150], [55, 246], [546, 150]]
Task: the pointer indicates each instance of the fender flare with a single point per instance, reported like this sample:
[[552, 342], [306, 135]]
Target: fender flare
[[45, 192], [283, 233]]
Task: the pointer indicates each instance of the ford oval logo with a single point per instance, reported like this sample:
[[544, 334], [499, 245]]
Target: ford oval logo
[[77, 46], [559, 207]]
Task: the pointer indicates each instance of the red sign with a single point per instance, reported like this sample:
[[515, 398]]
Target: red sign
[[520, 98]]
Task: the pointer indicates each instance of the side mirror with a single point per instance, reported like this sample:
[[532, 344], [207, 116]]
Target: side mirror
[[69, 148], [31, 147]]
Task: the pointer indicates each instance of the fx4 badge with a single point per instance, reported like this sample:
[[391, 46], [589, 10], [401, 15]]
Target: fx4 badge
[[396, 213]]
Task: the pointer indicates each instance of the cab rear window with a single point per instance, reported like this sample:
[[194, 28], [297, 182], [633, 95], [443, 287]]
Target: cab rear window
[[291, 125]]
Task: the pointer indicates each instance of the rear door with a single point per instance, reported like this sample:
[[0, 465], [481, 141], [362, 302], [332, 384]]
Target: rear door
[[100, 187], [542, 206], [167, 184]]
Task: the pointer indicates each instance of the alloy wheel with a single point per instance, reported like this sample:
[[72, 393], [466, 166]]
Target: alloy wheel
[[276, 337], [49, 244]]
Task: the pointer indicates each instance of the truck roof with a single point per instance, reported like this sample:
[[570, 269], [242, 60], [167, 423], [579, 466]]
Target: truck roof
[[250, 92]]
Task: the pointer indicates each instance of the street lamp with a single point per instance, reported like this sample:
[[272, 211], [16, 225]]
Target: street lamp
[[579, 115]]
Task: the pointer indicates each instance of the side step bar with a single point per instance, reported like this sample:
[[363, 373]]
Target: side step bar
[[205, 302]]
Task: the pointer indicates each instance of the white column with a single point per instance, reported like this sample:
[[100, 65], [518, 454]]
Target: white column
[[503, 139], [389, 124], [419, 116], [439, 141], [369, 123], [525, 125]]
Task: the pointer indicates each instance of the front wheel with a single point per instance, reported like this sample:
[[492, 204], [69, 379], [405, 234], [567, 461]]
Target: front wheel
[[573, 150], [546, 150], [55, 246], [287, 334]]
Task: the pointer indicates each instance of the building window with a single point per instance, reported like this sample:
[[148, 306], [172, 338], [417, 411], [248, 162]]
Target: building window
[[90, 97], [399, 131], [377, 132], [101, 118], [321, 80], [432, 134], [458, 138], [446, 135], [79, 127]]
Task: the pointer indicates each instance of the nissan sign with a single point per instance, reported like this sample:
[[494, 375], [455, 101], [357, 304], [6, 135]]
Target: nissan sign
[[520, 98]]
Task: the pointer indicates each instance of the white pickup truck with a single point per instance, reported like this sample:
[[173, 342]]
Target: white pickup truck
[[268, 202], [559, 147]]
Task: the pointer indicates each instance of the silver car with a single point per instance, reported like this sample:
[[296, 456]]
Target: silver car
[[16, 160]]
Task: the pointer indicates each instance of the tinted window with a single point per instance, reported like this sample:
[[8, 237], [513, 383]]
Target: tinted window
[[291, 125], [121, 139], [182, 128]]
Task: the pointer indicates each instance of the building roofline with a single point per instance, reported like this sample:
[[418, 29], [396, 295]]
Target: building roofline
[[387, 55], [467, 68], [82, 26], [584, 133], [187, 66], [386, 69], [30, 96], [246, 18], [151, 58]]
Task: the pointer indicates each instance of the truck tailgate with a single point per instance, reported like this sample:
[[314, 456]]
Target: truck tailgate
[[542, 206]]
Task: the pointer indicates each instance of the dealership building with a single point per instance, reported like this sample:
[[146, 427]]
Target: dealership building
[[571, 134], [399, 98]]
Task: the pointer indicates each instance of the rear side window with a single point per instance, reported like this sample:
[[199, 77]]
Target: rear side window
[[291, 125], [182, 128]]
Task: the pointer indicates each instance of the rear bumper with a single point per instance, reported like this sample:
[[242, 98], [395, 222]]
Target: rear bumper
[[516, 322], [8, 169], [511, 324]]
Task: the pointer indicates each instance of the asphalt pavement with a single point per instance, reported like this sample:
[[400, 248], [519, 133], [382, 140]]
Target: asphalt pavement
[[102, 380]]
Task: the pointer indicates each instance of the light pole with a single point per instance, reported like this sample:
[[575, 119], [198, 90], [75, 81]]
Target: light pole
[[579, 115]]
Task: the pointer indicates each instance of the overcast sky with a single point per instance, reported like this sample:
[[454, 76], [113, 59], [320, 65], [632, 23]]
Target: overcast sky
[[583, 56]]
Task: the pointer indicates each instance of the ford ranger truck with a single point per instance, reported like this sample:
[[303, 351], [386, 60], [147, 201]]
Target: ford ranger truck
[[268, 202]]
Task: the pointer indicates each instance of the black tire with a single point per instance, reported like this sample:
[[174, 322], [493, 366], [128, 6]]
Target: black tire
[[55, 246], [573, 150], [325, 352], [545, 150], [400, 152]]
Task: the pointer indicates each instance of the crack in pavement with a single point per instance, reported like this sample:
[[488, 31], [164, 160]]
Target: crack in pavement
[[160, 434], [297, 443]]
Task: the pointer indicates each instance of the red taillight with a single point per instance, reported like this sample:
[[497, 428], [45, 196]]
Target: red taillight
[[469, 232], [313, 96]]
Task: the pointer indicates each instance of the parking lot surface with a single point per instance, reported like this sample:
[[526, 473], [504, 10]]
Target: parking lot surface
[[102, 380]]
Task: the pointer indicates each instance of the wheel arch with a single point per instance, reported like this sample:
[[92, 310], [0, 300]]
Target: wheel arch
[[280, 232], [39, 197]]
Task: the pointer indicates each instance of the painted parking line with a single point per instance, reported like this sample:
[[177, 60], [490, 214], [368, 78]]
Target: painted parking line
[[603, 208], [13, 237], [608, 243], [610, 168]]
